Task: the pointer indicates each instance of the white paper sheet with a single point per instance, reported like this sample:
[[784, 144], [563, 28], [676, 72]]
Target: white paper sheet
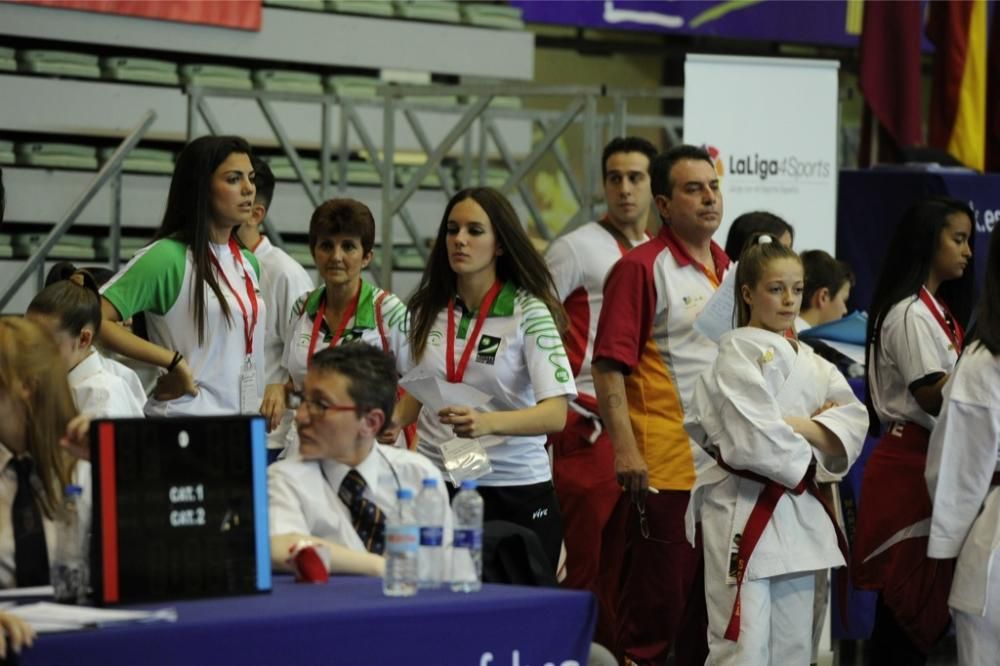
[[719, 314], [46, 616], [424, 388], [22, 592], [854, 352], [435, 394]]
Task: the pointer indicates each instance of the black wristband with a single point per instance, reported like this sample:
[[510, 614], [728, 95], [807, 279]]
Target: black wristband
[[178, 357]]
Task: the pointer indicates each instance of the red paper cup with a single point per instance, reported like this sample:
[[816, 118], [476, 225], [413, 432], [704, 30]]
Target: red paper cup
[[309, 563]]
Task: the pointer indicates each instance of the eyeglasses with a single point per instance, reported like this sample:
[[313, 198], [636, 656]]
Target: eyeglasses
[[316, 407]]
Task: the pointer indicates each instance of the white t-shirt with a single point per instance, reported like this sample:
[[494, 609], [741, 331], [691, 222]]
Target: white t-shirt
[[159, 281], [303, 498], [913, 346], [579, 263], [520, 360], [100, 392], [282, 280]]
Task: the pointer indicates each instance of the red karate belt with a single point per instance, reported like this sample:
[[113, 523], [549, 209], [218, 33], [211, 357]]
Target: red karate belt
[[760, 515]]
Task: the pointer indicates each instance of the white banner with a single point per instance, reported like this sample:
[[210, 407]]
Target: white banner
[[771, 126]]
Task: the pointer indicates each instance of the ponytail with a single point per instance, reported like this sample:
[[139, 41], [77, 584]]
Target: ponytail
[[74, 299]]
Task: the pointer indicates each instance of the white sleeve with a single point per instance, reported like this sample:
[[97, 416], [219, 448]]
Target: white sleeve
[[293, 283], [395, 325], [961, 459], [297, 311], [93, 400], [284, 507], [737, 413], [107, 396], [848, 421], [544, 355], [564, 267], [915, 343]]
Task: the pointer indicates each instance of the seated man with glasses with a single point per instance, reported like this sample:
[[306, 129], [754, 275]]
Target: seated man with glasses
[[339, 486]]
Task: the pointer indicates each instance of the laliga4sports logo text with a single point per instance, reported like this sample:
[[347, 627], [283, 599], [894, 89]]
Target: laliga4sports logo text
[[790, 167]]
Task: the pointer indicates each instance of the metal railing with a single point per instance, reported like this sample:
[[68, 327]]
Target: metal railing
[[477, 127], [111, 172]]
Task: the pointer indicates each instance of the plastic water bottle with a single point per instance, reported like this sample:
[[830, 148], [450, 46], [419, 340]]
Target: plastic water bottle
[[467, 559], [402, 540], [430, 517], [69, 571]]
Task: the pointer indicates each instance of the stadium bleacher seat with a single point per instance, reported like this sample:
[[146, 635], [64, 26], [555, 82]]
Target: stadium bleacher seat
[[57, 155], [142, 70], [60, 63]]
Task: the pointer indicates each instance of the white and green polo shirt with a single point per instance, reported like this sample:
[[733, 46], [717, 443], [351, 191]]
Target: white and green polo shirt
[[519, 360], [159, 282], [365, 326]]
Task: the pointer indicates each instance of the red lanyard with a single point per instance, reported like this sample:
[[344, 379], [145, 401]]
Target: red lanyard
[[318, 321], [947, 322], [248, 326], [455, 376]]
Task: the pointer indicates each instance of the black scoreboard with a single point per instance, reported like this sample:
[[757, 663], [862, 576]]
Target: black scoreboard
[[179, 508]]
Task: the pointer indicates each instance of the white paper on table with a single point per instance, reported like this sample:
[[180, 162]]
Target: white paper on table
[[719, 314], [46, 616], [21, 592]]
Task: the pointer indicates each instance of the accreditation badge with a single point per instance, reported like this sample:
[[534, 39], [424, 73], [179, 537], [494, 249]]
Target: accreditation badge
[[249, 397]]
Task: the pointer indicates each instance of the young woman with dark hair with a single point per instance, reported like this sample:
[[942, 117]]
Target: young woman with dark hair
[[749, 224], [486, 314], [962, 475], [921, 301], [199, 290]]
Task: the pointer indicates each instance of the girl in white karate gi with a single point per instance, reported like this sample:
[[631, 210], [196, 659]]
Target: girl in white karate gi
[[70, 310], [963, 457], [770, 412]]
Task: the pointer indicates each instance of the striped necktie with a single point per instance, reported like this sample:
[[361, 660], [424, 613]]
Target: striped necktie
[[31, 558], [367, 518]]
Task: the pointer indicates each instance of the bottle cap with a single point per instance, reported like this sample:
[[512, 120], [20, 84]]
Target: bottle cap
[[469, 484], [404, 494], [430, 483], [73, 490]]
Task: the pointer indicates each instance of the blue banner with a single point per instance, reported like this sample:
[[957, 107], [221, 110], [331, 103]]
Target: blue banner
[[810, 22]]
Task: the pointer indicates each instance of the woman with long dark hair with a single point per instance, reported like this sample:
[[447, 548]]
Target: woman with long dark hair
[[962, 461], [915, 335], [486, 314], [199, 289]]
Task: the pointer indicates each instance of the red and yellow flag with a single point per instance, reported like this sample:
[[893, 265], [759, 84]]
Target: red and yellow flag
[[958, 97]]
